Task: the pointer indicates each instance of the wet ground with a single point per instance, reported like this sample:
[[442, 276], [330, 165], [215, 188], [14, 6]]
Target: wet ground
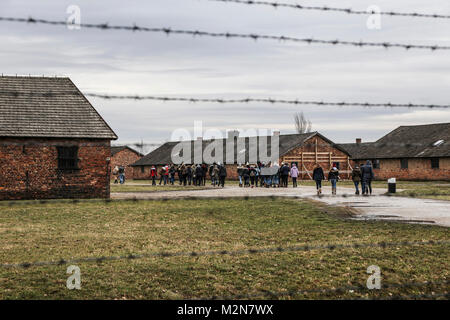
[[377, 206]]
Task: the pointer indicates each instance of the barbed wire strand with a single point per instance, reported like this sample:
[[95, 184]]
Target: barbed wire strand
[[250, 251], [229, 35], [339, 290], [276, 5], [106, 96]]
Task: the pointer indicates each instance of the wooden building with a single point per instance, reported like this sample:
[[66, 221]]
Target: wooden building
[[53, 143], [303, 149]]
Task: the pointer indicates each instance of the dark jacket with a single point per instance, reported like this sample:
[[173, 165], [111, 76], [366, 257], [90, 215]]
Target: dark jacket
[[333, 175], [318, 174], [222, 171], [284, 170], [199, 172], [356, 175], [246, 172], [367, 172]]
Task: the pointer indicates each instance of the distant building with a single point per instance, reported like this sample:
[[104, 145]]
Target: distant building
[[303, 149], [124, 156], [53, 143], [419, 152]]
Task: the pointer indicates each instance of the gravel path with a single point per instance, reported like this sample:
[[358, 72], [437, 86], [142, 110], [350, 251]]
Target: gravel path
[[376, 206]]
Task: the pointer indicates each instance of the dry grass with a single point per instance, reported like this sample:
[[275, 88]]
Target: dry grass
[[31, 232]]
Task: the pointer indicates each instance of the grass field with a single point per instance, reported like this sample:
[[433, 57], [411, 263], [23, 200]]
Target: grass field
[[51, 231]]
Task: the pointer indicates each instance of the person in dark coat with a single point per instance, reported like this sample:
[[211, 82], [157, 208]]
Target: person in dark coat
[[333, 177], [318, 176], [284, 173], [246, 176], [222, 175], [356, 177], [189, 174], [198, 175], [204, 173], [367, 177]]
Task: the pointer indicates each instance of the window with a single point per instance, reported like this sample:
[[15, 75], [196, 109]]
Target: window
[[142, 169], [404, 163], [67, 158], [376, 164], [435, 163]]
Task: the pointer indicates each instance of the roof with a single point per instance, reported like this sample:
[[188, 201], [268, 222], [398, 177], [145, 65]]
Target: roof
[[162, 155], [116, 149], [422, 141], [48, 107]]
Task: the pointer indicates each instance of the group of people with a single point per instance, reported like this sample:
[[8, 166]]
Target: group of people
[[360, 174], [119, 174], [190, 174], [259, 175]]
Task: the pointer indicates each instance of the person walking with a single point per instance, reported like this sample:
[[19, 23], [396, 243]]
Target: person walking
[[240, 169], [356, 178], [166, 174], [198, 175], [121, 175], [215, 175], [115, 173], [204, 173], [318, 176], [253, 176], [222, 175], [246, 175], [153, 175], [161, 175], [367, 177], [333, 177], [172, 172], [294, 175], [284, 173]]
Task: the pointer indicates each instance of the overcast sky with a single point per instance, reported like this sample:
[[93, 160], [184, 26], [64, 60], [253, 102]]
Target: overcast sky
[[122, 62]]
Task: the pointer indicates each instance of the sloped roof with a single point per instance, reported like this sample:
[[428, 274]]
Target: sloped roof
[[162, 155], [48, 107], [116, 149], [422, 141]]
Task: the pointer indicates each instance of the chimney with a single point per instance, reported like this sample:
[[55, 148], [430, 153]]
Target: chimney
[[358, 140], [233, 134]]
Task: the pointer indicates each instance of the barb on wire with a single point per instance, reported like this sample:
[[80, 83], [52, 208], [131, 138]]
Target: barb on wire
[[264, 100], [334, 9], [340, 290], [105, 96], [228, 35], [225, 252]]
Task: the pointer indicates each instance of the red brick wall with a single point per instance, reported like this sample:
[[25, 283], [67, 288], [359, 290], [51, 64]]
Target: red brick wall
[[125, 158], [29, 169], [418, 169]]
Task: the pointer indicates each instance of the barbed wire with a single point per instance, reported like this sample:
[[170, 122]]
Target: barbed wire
[[249, 251], [340, 290], [334, 9], [106, 96], [229, 35]]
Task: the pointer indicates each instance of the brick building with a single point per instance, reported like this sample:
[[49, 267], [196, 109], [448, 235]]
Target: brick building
[[408, 153], [124, 156], [53, 143], [303, 149]]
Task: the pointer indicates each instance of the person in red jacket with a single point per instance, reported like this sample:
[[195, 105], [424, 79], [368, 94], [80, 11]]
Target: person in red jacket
[[153, 175]]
